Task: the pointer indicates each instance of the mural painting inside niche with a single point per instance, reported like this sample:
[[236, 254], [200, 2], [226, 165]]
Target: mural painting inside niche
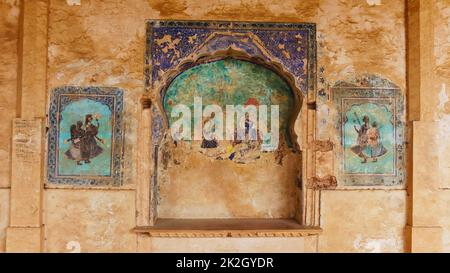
[[372, 133], [174, 46], [85, 136], [232, 82]]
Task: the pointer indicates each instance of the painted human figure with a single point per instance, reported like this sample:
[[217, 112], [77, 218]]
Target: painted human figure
[[76, 135], [250, 129], [374, 142], [89, 146], [209, 141], [362, 139]]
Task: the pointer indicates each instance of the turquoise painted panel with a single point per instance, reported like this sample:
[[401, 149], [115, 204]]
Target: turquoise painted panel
[[371, 124], [85, 136], [369, 139]]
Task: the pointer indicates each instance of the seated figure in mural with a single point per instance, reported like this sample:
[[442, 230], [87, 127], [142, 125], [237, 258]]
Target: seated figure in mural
[[250, 128], [89, 146], [76, 134], [369, 142], [376, 147], [246, 150], [209, 141]]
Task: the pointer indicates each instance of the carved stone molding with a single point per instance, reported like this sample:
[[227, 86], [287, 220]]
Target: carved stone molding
[[228, 234], [321, 146], [230, 228], [326, 183], [146, 102]]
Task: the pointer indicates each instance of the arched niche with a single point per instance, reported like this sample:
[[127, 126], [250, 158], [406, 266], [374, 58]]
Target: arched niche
[[163, 207], [206, 183], [238, 55]]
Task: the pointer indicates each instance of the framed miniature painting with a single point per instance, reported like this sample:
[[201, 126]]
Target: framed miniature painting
[[85, 136], [371, 129]]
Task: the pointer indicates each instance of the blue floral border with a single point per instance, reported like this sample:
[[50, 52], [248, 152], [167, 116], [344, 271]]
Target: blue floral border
[[298, 39], [60, 98], [344, 91]]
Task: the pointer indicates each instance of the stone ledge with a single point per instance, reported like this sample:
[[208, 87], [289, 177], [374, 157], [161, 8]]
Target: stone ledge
[[234, 228]]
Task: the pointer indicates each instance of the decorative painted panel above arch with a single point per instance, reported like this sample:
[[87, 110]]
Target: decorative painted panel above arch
[[291, 45], [175, 46]]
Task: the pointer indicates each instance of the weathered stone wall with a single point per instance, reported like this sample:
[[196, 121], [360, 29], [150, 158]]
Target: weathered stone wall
[[102, 43], [440, 107], [9, 34], [100, 221]]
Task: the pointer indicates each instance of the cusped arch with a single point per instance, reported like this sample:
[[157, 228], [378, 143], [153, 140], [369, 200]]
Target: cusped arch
[[273, 70]]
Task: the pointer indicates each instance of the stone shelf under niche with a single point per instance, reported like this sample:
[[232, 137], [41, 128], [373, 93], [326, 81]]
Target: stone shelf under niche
[[227, 228]]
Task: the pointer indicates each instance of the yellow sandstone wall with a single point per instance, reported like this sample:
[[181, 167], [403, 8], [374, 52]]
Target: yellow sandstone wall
[[102, 43], [9, 33], [440, 109]]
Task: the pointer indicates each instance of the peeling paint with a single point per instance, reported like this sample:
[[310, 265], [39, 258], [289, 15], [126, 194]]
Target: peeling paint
[[73, 2], [444, 105], [374, 245], [373, 2]]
